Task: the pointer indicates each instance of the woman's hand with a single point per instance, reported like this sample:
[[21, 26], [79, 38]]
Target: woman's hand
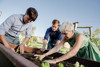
[[42, 56], [43, 49], [50, 61]]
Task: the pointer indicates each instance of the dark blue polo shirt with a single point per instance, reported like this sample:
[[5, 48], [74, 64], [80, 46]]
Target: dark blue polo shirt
[[53, 35]]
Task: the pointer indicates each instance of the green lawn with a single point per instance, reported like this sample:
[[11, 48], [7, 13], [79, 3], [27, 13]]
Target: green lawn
[[39, 45], [32, 43]]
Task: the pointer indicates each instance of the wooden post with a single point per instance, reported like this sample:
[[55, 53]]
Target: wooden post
[[75, 25], [90, 30]]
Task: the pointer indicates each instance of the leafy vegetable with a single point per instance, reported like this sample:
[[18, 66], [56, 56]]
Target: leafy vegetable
[[47, 64], [52, 57], [42, 64], [40, 58], [60, 65], [82, 65], [76, 64], [17, 50]]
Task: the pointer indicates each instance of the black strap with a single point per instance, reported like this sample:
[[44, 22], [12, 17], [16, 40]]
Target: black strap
[[9, 35]]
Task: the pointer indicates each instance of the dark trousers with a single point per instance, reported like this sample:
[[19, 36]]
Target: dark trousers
[[50, 45]]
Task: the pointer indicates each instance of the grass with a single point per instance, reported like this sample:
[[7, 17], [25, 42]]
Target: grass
[[34, 44], [39, 45]]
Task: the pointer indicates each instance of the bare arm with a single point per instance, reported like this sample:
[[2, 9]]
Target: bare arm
[[5, 26], [3, 40], [74, 50], [58, 42], [44, 44], [56, 48], [23, 44], [25, 40], [5, 43]]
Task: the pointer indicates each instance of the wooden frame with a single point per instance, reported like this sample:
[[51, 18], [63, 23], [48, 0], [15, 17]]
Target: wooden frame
[[90, 28]]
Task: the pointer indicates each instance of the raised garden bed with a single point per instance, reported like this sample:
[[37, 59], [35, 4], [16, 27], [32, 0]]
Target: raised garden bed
[[31, 57], [16, 60], [67, 63]]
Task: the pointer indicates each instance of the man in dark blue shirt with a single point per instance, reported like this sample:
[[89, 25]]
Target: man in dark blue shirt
[[53, 34]]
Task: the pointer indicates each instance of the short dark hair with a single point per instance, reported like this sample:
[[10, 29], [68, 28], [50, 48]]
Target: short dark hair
[[55, 21], [32, 12]]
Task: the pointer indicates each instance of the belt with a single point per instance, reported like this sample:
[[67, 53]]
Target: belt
[[9, 35]]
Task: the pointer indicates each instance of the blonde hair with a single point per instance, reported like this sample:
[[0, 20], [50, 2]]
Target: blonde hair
[[66, 26]]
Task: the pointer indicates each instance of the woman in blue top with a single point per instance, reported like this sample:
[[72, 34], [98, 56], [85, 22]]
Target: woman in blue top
[[53, 34]]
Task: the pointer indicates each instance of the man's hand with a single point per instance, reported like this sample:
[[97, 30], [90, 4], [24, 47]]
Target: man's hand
[[7, 45], [21, 47], [12, 49], [44, 45], [43, 49]]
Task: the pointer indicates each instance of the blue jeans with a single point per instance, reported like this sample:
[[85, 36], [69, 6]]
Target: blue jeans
[[12, 40], [50, 46]]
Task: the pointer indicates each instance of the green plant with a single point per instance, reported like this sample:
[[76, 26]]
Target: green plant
[[82, 65], [40, 58], [17, 50], [46, 64], [76, 64], [95, 37], [60, 65], [64, 50], [42, 64], [52, 57]]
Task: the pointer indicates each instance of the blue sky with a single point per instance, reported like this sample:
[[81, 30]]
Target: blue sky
[[87, 12]]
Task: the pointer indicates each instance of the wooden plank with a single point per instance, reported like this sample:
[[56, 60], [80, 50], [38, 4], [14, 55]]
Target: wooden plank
[[15, 58], [75, 25], [85, 27]]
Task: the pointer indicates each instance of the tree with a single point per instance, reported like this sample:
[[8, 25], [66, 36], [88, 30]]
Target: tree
[[95, 37], [33, 28], [23, 33], [21, 38]]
